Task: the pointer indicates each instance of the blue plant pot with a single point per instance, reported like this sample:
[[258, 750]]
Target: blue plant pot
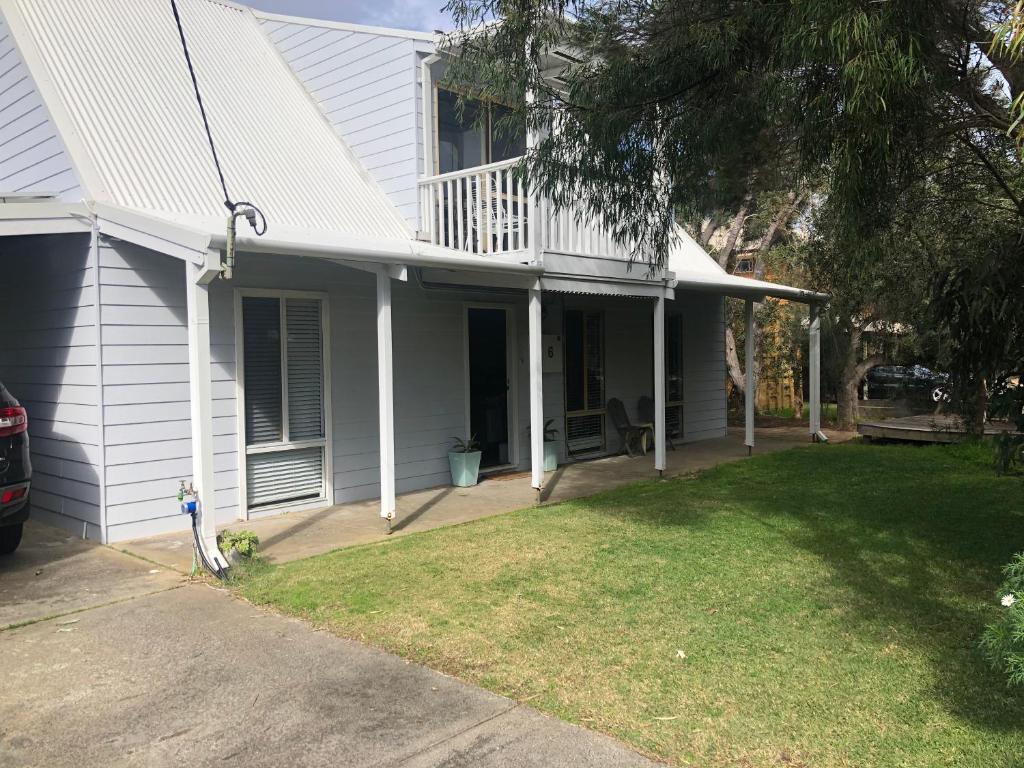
[[465, 468], [550, 456]]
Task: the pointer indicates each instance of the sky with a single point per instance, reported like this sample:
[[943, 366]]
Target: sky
[[422, 15]]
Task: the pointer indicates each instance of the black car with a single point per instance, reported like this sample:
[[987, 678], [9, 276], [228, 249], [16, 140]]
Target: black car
[[15, 471], [914, 381]]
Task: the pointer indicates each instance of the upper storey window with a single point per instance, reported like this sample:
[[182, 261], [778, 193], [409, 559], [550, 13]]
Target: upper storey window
[[474, 137]]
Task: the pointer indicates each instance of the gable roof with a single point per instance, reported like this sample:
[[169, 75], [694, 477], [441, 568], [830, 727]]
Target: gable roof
[[114, 78]]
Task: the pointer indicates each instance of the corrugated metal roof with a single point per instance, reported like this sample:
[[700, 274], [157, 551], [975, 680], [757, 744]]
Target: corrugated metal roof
[[118, 71], [695, 270]]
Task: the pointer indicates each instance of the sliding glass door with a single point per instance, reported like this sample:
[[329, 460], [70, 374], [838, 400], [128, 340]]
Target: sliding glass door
[[284, 387], [674, 376]]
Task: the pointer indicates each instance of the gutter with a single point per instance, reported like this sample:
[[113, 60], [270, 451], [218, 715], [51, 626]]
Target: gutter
[[397, 252]]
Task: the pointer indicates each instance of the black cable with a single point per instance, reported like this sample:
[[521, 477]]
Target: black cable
[[228, 203], [215, 570]]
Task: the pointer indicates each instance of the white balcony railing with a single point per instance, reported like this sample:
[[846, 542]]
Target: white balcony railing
[[481, 210], [486, 210]]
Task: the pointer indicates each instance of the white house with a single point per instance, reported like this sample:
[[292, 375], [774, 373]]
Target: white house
[[408, 289]]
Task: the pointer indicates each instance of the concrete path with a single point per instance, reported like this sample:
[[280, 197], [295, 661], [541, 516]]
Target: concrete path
[[148, 670], [303, 534]]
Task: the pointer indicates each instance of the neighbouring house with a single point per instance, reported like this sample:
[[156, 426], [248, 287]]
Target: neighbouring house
[[408, 289]]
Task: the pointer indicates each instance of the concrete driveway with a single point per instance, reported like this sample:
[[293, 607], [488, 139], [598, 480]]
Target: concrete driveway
[[124, 663]]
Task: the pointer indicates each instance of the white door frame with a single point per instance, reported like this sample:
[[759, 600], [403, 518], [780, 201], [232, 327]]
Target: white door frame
[[327, 497], [511, 371]]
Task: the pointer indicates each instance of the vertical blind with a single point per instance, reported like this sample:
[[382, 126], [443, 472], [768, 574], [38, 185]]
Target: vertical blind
[[284, 399]]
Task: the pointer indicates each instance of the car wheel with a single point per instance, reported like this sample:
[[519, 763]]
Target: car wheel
[[10, 538]]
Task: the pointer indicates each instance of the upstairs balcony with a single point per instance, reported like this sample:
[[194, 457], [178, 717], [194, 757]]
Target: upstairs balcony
[[487, 210], [474, 203]]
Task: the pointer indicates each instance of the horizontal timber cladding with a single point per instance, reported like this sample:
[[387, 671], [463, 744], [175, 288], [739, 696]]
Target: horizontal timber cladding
[[366, 85], [48, 361]]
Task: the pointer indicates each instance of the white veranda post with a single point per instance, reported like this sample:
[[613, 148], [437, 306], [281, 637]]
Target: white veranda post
[[386, 396], [814, 360], [659, 384], [198, 279], [751, 383], [536, 390]]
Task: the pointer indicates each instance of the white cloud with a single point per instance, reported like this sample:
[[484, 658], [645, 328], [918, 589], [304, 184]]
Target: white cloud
[[423, 15]]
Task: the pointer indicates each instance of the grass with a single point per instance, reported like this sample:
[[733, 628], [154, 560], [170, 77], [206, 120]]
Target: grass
[[818, 607]]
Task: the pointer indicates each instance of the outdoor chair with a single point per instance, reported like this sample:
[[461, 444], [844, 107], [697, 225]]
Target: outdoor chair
[[645, 412], [511, 224], [633, 436]]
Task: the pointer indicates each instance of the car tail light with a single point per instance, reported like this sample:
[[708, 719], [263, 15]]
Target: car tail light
[[13, 421], [13, 494]]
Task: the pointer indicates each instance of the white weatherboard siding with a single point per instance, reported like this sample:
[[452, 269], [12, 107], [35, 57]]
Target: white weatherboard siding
[[33, 159], [48, 361], [366, 84], [704, 372]]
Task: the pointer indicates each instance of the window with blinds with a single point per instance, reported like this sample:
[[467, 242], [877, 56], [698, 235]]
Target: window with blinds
[[674, 376], [283, 379], [584, 382]]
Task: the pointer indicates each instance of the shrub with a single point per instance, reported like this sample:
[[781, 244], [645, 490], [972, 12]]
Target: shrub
[[244, 542], [1003, 642]]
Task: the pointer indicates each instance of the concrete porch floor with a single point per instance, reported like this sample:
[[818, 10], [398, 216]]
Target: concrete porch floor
[[296, 535]]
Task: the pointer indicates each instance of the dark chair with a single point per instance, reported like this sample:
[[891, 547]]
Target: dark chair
[[645, 410], [633, 436]]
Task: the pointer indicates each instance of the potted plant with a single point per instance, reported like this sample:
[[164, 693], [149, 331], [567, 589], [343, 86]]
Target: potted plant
[[550, 446], [464, 460]]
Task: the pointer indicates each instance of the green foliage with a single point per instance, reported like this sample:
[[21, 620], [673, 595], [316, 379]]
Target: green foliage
[[1003, 641], [461, 445], [246, 543], [1008, 451]]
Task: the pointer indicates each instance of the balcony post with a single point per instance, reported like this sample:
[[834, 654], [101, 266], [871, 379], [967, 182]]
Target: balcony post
[[536, 357], [751, 385], [659, 385], [814, 371], [385, 397]]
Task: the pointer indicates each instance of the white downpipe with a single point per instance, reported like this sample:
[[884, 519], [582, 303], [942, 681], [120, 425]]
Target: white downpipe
[[386, 397], [536, 390], [197, 288], [751, 393], [814, 359], [659, 384]]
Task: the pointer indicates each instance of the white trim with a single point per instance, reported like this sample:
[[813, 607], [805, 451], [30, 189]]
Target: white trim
[[326, 442], [536, 357], [44, 218], [659, 384], [152, 232], [511, 373], [94, 261], [409, 34], [814, 365], [386, 395], [751, 384]]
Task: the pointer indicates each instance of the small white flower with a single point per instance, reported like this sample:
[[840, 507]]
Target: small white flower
[[1008, 600]]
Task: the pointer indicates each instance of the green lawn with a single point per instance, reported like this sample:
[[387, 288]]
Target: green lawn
[[818, 607]]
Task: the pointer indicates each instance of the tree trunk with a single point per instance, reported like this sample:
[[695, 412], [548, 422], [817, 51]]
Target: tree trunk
[[724, 256], [732, 362], [853, 374]]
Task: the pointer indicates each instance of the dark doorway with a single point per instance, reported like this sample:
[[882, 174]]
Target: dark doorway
[[489, 384]]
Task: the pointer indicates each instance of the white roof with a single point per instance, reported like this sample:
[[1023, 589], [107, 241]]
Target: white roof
[[695, 270], [115, 80]]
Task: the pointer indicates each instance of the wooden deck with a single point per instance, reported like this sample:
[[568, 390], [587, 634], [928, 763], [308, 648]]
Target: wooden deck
[[929, 428]]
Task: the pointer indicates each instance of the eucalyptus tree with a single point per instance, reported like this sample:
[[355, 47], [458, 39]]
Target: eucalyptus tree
[[657, 111]]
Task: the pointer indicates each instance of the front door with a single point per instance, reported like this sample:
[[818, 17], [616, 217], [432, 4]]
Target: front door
[[487, 332]]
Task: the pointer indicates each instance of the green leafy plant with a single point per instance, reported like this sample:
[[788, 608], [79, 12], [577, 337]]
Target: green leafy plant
[[1003, 641], [245, 543], [465, 446]]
